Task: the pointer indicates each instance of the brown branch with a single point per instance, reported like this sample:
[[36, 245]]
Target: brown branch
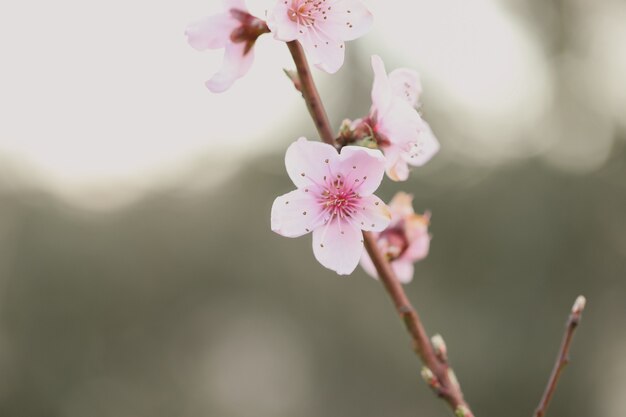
[[436, 370], [562, 358], [310, 94]]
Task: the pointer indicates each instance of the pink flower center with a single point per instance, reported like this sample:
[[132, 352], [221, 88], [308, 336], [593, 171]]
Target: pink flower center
[[339, 200], [305, 12], [393, 242]]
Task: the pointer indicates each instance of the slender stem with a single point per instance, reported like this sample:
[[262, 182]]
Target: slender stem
[[310, 94], [562, 358], [445, 386], [443, 382]]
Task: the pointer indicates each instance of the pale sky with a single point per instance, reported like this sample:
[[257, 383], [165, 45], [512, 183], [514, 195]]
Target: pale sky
[[109, 94]]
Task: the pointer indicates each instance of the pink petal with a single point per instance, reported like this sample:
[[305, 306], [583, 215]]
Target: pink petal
[[348, 20], [396, 166], [372, 214], [367, 265], [425, 147], [418, 249], [283, 28], [401, 205], [325, 53], [212, 32], [361, 166], [399, 122], [235, 66], [381, 89], [404, 270], [338, 246], [308, 162], [295, 214], [405, 83]]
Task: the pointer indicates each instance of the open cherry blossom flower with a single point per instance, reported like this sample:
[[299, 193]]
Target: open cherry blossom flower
[[321, 26], [404, 242], [334, 200], [398, 129], [235, 30]]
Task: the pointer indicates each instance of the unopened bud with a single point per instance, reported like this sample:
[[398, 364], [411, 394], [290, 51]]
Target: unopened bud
[[463, 411], [453, 378], [430, 378], [440, 347], [579, 304]]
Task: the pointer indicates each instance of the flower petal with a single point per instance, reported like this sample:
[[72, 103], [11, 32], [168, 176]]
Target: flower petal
[[419, 247], [381, 89], [361, 166], [212, 32], [372, 214], [367, 265], [325, 53], [424, 148], [396, 166], [295, 214], [338, 246], [406, 84], [349, 20], [401, 205], [308, 162], [404, 270], [235, 65], [283, 28]]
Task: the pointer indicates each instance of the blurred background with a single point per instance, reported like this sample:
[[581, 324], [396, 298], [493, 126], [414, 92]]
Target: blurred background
[[138, 273]]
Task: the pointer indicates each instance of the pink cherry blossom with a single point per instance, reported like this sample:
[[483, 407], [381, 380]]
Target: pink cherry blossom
[[321, 26], [404, 137], [234, 30], [404, 242], [334, 200]]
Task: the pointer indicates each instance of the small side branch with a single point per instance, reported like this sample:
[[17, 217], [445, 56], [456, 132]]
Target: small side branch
[[309, 92], [563, 357]]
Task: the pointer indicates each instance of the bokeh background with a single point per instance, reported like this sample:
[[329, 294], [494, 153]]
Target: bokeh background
[[138, 274]]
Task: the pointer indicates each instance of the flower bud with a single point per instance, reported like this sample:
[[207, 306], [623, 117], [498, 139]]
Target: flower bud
[[579, 304], [440, 347]]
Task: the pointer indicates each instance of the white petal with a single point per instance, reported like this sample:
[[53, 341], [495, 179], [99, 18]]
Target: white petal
[[347, 20], [406, 85], [396, 166], [424, 148], [362, 167], [283, 28], [236, 64], [325, 53], [372, 214], [367, 265], [381, 88], [295, 214], [338, 246], [404, 270], [308, 162], [212, 32]]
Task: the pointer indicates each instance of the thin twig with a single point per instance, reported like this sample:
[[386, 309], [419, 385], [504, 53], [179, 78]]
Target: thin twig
[[437, 372], [310, 94], [440, 376], [562, 358]]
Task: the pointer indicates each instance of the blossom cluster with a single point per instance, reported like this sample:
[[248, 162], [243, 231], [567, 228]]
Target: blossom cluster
[[334, 198]]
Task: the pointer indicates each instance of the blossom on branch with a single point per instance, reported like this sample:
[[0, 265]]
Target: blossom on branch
[[235, 30], [334, 200], [321, 26], [404, 242], [394, 123]]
